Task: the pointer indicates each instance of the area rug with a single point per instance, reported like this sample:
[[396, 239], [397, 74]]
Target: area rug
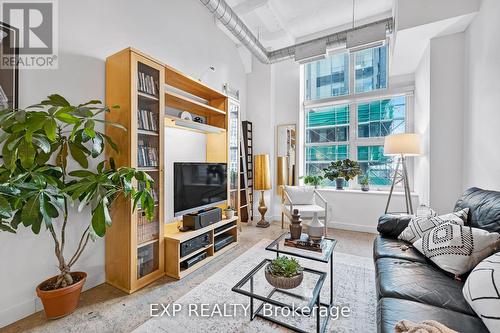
[[354, 288]]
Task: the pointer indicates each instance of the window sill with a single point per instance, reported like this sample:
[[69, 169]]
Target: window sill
[[371, 192]]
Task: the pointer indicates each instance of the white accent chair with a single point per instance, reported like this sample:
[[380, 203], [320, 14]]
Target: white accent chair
[[306, 199]]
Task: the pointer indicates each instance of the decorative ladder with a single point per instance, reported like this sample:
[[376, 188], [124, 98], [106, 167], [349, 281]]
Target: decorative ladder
[[247, 150]]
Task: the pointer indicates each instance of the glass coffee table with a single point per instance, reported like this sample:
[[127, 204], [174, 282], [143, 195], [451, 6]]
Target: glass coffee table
[[325, 256], [284, 307]]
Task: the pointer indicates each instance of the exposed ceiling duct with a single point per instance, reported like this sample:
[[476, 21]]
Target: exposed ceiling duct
[[223, 12]]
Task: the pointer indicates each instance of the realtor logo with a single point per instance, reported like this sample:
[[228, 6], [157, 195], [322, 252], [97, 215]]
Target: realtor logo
[[37, 33]]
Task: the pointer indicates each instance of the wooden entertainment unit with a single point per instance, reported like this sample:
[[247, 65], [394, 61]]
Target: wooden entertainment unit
[[138, 251], [174, 238]]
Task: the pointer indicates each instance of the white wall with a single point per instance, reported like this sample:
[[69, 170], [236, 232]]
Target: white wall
[[439, 105], [482, 115], [422, 126], [446, 122], [180, 33]]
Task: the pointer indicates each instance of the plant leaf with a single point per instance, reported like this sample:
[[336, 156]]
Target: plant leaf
[[30, 211], [98, 220], [26, 153], [78, 155], [50, 127]]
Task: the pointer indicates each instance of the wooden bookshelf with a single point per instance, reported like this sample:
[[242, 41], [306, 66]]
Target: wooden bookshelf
[[136, 250], [134, 246]]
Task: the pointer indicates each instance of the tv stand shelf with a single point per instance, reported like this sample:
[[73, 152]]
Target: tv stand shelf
[[174, 237]]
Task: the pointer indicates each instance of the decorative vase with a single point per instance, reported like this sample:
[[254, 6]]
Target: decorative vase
[[340, 183], [316, 229], [282, 282], [61, 302], [229, 213], [295, 227], [365, 188]]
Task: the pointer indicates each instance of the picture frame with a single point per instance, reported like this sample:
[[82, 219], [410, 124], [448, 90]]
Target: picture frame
[[9, 74]]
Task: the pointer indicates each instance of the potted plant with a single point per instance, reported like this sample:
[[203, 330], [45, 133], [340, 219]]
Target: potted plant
[[284, 273], [365, 183], [229, 212], [37, 188], [343, 170], [313, 180]]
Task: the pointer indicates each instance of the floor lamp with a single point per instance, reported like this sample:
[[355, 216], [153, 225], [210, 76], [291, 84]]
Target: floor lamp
[[401, 145], [262, 182]]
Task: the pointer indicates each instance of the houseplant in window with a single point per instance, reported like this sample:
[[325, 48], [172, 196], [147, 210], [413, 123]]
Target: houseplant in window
[[342, 171], [37, 189], [284, 273], [365, 183], [313, 180]]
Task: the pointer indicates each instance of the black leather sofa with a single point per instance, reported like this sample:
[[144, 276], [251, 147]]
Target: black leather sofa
[[411, 287]]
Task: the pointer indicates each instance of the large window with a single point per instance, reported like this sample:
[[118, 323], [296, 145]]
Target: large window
[[342, 121]]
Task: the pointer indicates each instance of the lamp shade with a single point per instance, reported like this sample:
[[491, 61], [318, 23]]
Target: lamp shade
[[282, 172], [407, 144], [262, 173]]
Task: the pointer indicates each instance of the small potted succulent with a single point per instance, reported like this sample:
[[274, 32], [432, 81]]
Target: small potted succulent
[[313, 180], [284, 273], [365, 183], [343, 170], [229, 212]]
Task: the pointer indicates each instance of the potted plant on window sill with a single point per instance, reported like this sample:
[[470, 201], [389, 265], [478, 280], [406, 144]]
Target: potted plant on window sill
[[37, 189], [365, 183], [343, 170], [284, 273]]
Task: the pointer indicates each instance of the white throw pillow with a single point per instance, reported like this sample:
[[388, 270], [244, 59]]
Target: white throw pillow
[[482, 291], [420, 224], [456, 248], [301, 195]]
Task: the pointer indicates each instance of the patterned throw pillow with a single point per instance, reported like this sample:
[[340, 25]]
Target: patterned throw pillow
[[456, 248], [482, 291], [421, 224]]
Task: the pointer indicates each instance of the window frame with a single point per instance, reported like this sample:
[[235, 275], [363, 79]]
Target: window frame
[[352, 100]]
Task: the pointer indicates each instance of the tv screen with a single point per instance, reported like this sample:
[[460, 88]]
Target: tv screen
[[198, 186]]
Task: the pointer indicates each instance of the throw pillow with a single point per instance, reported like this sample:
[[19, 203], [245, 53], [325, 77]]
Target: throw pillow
[[420, 224], [482, 291], [456, 248], [301, 195]]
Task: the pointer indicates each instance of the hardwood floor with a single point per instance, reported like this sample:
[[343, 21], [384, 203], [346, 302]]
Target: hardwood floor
[[107, 309]]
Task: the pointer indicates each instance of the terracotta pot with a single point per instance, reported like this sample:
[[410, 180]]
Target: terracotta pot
[[61, 302], [282, 282]]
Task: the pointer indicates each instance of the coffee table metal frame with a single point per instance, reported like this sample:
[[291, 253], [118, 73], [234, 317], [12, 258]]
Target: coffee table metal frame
[[313, 306], [326, 258]]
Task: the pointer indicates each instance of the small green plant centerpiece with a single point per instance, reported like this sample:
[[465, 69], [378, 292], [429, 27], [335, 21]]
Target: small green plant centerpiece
[[284, 273], [343, 170], [365, 183], [38, 190], [313, 180]]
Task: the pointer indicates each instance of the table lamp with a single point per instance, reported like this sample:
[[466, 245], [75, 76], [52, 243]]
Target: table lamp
[[401, 145], [262, 183]]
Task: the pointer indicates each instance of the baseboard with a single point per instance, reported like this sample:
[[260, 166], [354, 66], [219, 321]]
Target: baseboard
[[353, 227]]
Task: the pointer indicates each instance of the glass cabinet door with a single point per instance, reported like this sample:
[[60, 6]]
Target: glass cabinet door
[[234, 142]]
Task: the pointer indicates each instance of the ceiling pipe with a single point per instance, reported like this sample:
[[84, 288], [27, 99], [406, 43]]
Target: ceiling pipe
[[223, 12]]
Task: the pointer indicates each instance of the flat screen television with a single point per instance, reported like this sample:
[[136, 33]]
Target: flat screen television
[[198, 186]]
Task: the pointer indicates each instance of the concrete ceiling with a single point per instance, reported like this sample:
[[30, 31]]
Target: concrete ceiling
[[281, 23]]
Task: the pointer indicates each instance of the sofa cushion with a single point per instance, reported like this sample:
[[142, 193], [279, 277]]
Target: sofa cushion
[[484, 208], [391, 225], [419, 282], [421, 224], [301, 195], [481, 290], [385, 247], [457, 249], [392, 310]]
